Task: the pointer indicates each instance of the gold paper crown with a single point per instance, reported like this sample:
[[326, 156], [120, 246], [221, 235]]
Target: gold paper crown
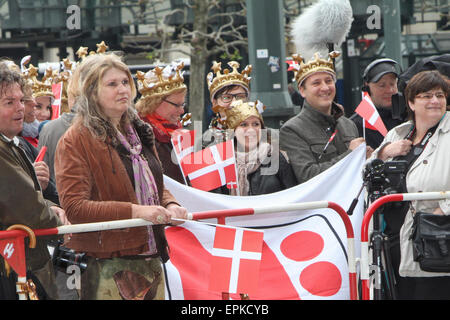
[[161, 82], [64, 76], [228, 78], [241, 111], [82, 52], [317, 64], [43, 87]]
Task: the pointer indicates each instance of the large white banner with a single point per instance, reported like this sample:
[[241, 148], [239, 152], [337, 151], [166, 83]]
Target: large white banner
[[304, 252]]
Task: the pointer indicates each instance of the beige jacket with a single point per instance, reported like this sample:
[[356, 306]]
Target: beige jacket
[[430, 172]]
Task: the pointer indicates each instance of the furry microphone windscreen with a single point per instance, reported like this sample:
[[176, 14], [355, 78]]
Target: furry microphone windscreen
[[327, 21]]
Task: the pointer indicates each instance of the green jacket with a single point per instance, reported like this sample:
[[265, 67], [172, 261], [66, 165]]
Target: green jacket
[[21, 202], [305, 136]]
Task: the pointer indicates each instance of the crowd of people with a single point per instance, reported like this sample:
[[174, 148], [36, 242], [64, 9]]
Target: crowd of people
[[106, 157]]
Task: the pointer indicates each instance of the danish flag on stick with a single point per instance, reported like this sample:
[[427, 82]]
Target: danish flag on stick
[[183, 145], [56, 105], [236, 257], [183, 142], [367, 110], [211, 167]]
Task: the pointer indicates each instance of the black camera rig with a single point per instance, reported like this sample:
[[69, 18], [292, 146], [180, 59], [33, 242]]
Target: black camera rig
[[64, 257], [383, 178]]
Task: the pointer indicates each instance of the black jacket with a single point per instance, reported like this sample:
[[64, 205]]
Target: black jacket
[[284, 178]]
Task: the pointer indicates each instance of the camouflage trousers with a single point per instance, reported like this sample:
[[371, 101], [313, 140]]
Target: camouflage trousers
[[128, 278]]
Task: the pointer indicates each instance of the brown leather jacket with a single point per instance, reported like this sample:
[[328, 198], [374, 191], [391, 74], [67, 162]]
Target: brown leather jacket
[[93, 185]]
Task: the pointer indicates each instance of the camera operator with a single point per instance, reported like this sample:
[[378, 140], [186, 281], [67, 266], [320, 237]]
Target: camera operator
[[380, 82], [423, 142]]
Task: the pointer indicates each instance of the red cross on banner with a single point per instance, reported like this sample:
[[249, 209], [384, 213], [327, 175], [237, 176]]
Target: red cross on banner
[[236, 257]]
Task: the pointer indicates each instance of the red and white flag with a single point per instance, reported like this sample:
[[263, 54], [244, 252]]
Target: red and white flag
[[183, 142], [367, 110], [13, 251], [56, 105], [293, 65], [211, 167], [236, 257]]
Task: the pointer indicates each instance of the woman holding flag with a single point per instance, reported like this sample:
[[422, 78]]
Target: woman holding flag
[[261, 167], [162, 103], [107, 168]]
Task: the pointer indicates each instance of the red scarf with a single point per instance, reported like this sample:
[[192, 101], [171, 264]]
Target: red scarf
[[33, 141], [162, 128]]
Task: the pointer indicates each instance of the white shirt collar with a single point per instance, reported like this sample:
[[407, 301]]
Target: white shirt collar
[[14, 139]]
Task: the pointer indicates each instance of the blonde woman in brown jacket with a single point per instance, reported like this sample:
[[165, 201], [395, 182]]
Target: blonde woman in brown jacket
[[107, 168]]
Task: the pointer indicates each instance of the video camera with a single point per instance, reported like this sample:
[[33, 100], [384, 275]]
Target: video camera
[[63, 257], [383, 178]]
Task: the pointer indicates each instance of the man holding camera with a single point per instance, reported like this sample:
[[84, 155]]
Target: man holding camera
[[380, 82], [320, 135]]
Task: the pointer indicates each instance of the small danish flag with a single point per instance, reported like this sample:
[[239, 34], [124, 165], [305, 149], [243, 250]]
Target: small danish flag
[[236, 257], [211, 167], [56, 105], [367, 110], [293, 65], [183, 142]]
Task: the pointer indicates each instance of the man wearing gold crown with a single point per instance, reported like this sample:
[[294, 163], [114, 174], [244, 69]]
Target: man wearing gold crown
[[320, 135], [225, 86]]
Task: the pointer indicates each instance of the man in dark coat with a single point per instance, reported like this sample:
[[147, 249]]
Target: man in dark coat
[[380, 82], [21, 198], [320, 135]]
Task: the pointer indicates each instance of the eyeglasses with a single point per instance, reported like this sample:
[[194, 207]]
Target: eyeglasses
[[429, 95], [228, 97], [182, 105]]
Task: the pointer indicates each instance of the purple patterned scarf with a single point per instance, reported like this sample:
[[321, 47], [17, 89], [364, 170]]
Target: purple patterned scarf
[[144, 182]]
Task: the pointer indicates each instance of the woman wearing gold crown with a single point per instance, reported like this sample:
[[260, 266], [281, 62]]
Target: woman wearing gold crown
[[261, 167], [225, 86], [39, 100], [162, 103], [107, 168], [43, 94]]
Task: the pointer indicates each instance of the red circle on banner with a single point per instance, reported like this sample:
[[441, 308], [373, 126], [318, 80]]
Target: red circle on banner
[[302, 245], [321, 279]]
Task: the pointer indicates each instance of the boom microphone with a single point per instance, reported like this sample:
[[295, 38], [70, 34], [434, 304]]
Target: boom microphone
[[325, 23]]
